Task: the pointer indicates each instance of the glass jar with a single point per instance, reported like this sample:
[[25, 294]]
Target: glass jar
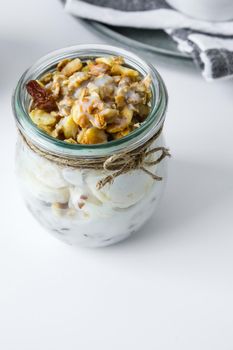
[[65, 199]]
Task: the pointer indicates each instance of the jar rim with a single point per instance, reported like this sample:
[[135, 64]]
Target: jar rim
[[137, 137]]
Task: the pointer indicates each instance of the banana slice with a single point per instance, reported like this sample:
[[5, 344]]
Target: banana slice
[[125, 191], [41, 191], [74, 176], [47, 172]]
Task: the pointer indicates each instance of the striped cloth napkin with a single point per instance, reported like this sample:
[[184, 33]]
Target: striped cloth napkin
[[209, 43]]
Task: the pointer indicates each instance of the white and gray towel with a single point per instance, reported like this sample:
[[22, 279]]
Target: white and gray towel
[[209, 43]]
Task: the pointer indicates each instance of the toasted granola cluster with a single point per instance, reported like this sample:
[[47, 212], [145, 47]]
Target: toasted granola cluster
[[90, 102]]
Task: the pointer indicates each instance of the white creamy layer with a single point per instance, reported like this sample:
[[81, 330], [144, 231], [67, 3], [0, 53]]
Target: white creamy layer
[[66, 200]]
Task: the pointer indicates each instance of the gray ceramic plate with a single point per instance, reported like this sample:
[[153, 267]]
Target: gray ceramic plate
[[146, 39]]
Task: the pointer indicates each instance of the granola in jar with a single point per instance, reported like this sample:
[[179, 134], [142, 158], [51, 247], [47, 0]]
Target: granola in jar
[[108, 104], [90, 102]]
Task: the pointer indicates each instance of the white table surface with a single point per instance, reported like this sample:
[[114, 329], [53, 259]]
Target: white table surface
[[168, 287]]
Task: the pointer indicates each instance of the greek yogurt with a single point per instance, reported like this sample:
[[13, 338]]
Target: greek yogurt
[[66, 200]]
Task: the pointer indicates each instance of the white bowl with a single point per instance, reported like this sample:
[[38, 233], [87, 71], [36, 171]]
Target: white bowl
[[209, 10]]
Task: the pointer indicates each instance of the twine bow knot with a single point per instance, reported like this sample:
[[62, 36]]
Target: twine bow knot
[[124, 162]]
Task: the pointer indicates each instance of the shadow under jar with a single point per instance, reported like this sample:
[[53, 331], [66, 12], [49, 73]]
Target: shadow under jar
[[65, 199]]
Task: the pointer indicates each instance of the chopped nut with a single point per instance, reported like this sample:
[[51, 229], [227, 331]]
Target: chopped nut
[[142, 111], [59, 81], [81, 205], [59, 209], [147, 82], [122, 133], [46, 128], [62, 64], [45, 79], [125, 71], [85, 69], [60, 205], [97, 69], [105, 86], [120, 96], [42, 118], [92, 136], [121, 122], [98, 121], [76, 79], [70, 128], [110, 61], [79, 115], [108, 115], [65, 106], [72, 67], [70, 140], [124, 81]]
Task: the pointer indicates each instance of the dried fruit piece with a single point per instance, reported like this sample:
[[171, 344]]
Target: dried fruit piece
[[41, 97]]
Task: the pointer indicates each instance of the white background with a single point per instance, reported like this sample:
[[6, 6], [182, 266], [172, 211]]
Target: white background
[[168, 287]]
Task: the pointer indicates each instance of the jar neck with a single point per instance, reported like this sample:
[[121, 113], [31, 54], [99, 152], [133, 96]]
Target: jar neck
[[136, 138]]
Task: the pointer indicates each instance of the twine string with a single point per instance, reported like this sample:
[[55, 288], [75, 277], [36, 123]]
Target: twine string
[[117, 164]]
